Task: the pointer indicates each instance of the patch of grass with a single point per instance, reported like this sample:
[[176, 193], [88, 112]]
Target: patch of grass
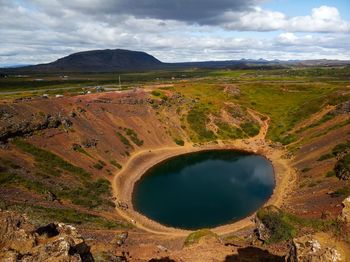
[[133, 136], [43, 215], [344, 191], [78, 148], [83, 191], [99, 165], [325, 157], [16, 180], [91, 194], [250, 128], [197, 120], [306, 169], [284, 226], [116, 164], [286, 140], [227, 131], [287, 104], [197, 235], [342, 167], [334, 127], [277, 223], [330, 173], [340, 148], [324, 119], [50, 160], [124, 140], [156, 93], [179, 142]]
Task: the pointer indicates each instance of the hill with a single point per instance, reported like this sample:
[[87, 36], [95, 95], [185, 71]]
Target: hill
[[97, 61], [111, 60]]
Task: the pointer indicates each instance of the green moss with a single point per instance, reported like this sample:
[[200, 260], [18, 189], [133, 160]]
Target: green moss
[[43, 215], [179, 142], [325, 157], [344, 191], [197, 120], [50, 161], [124, 140], [277, 224], [342, 166], [156, 93], [287, 139], [330, 173], [251, 129], [197, 235], [79, 149], [115, 163], [133, 136], [284, 226], [16, 180]]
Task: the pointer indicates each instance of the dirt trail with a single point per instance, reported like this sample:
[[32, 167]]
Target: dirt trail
[[141, 161]]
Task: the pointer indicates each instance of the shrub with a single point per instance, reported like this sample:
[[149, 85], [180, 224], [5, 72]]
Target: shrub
[[116, 164], [285, 140], [133, 136], [306, 169], [179, 142], [49, 160], [330, 173], [156, 93], [197, 120], [325, 157], [277, 223], [251, 129], [124, 140], [344, 191]]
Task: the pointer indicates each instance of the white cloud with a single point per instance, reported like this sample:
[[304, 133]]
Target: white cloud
[[46, 30], [323, 19], [256, 20]]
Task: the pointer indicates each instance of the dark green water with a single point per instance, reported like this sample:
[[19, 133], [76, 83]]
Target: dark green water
[[204, 189]]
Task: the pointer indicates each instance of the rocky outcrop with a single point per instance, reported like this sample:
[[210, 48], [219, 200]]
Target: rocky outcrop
[[312, 248], [343, 108], [345, 214], [21, 241], [342, 168], [11, 127]]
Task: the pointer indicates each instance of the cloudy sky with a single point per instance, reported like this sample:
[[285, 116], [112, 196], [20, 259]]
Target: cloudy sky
[[37, 31]]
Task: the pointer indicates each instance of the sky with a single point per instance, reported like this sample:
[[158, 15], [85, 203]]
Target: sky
[[40, 31]]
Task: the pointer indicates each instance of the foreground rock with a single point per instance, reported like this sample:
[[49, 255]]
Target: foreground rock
[[345, 215], [316, 248], [21, 241]]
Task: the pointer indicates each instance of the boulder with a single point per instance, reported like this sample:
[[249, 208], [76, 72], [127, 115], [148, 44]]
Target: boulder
[[20, 241], [345, 214], [314, 248]]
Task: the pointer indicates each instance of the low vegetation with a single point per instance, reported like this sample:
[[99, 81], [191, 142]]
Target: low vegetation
[[179, 142], [133, 136], [197, 120], [124, 140], [197, 235], [81, 191], [116, 164], [284, 226]]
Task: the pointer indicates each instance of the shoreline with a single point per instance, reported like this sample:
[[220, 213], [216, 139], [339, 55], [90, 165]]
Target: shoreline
[[142, 161]]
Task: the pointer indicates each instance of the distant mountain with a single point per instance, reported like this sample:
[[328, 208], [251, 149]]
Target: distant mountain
[[98, 61], [124, 60]]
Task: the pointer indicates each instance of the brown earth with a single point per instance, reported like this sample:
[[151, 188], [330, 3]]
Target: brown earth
[[97, 117]]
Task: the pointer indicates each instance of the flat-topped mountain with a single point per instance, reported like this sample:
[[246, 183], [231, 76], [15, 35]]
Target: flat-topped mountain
[[99, 60]]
